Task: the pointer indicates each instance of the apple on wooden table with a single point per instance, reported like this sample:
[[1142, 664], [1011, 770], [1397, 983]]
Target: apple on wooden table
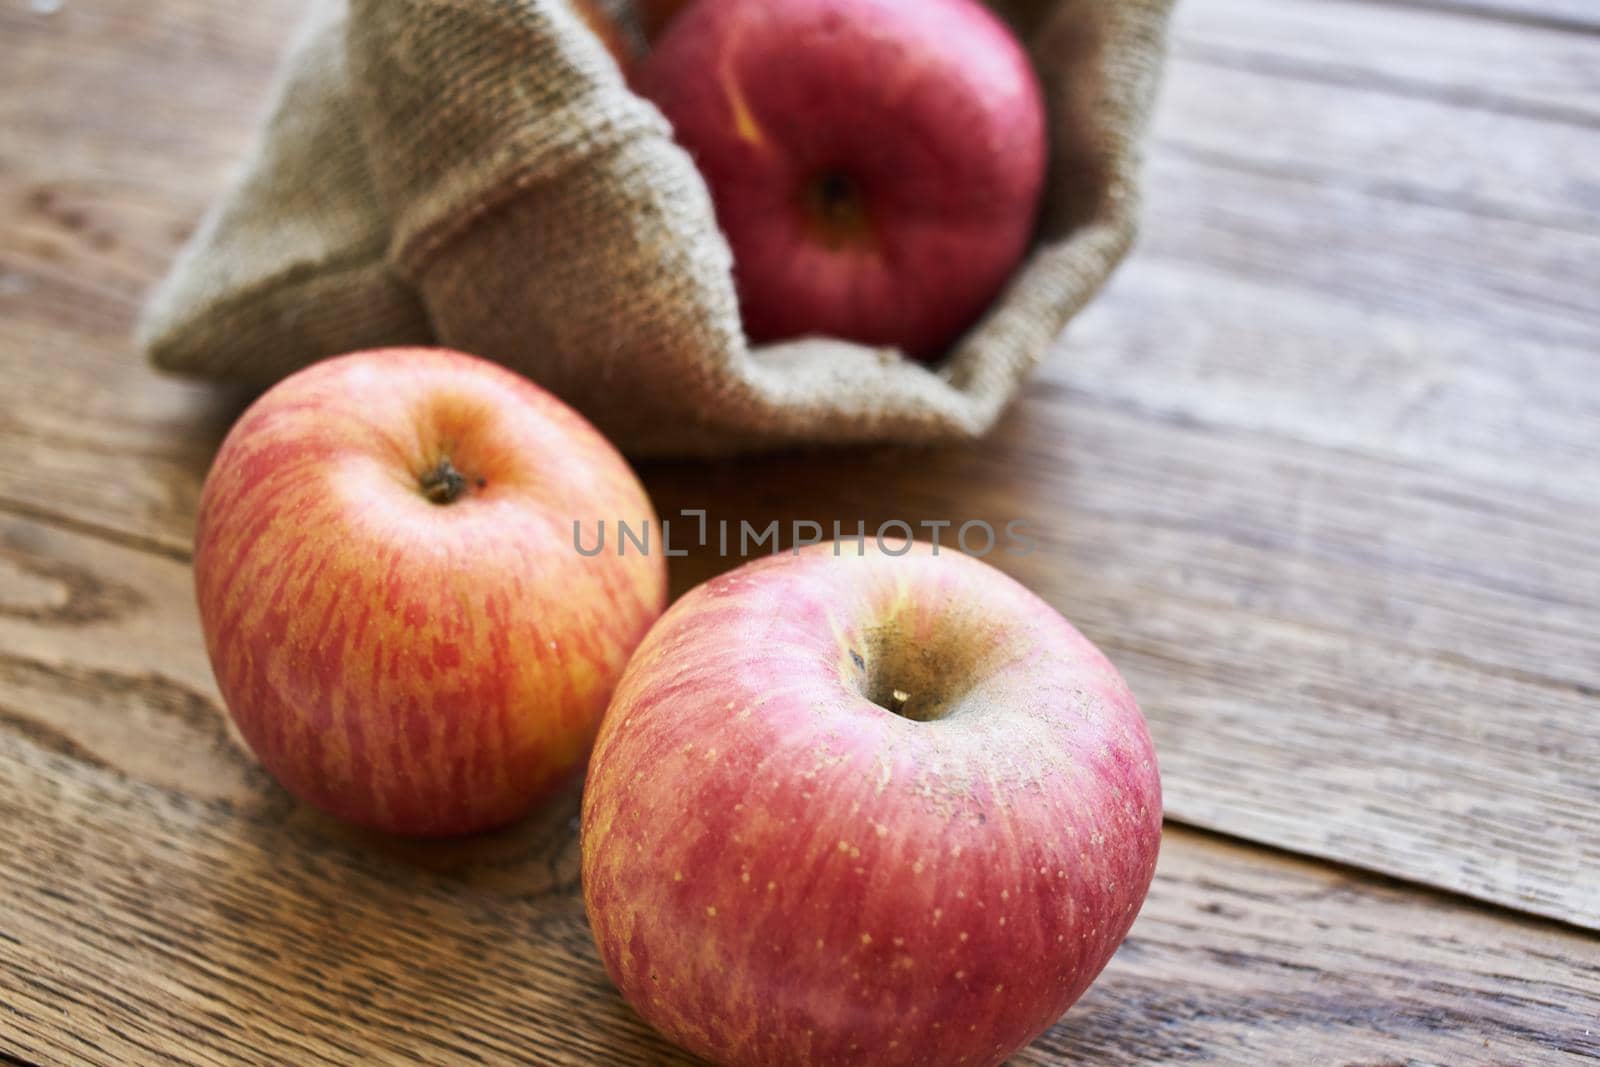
[[395, 612], [878, 810], [876, 165]]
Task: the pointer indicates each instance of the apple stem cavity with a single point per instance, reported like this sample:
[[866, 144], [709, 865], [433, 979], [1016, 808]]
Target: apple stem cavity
[[894, 697], [443, 484], [837, 209]]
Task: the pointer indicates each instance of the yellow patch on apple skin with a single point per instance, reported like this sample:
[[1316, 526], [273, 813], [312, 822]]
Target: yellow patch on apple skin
[[744, 121]]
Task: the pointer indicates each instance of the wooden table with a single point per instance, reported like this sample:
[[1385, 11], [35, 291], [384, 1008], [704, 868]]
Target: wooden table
[[1321, 472]]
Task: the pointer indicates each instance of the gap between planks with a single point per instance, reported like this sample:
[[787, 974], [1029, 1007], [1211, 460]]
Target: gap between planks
[[1561, 16], [109, 534]]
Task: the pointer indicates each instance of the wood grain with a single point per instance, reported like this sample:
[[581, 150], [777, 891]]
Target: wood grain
[[234, 921], [1406, 52], [145, 921], [1321, 471], [121, 122], [1339, 535], [1572, 16]]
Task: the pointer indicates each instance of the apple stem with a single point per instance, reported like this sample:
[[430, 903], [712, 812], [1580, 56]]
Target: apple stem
[[444, 483]]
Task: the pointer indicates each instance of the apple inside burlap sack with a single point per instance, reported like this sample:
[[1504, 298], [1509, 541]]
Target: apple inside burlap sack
[[476, 173]]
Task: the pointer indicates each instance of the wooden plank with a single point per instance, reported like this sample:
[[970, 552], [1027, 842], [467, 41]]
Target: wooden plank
[[1360, 626], [100, 645], [1362, 138], [1512, 416], [121, 123], [1330, 260], [1571, 16], [144, 923], [66, 84], [1424, 51], [166, 896], [1504, 277], [1361, 489]]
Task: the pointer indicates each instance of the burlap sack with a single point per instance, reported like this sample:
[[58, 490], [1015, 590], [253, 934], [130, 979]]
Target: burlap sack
[[476, 172], [291, 265]]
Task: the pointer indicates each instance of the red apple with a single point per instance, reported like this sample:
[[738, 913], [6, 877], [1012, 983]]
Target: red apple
[[865, 810], [876, 165], [395, 611]]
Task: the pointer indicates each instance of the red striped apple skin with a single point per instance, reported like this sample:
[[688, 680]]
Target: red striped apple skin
[[418, 667], [780, 871]]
